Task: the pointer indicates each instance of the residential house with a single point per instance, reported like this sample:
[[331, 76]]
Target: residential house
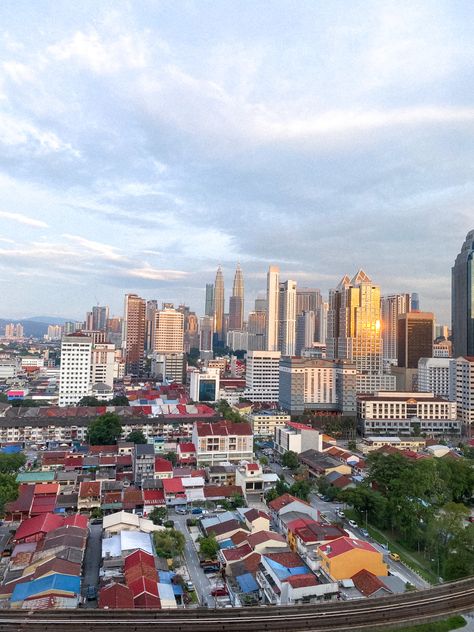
[[344, 557], [222, 441]]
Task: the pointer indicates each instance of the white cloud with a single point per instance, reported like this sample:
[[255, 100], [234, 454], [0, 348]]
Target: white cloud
[[16, 131], [153, 274], [22, 219], [104, 251]]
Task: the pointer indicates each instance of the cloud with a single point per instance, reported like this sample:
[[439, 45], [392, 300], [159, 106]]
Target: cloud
[[22, 219], [104, 251], [156, 275]]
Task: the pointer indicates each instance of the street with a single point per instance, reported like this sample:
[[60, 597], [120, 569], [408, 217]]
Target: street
[[92, 559]]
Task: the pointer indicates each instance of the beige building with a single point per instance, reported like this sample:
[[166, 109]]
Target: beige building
[[169, 330], [265, 422]]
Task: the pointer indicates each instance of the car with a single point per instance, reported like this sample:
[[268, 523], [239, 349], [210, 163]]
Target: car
[[91, 593], [219, 591], [190, 586], [394, 556], [325, 499], [340, 513], [210, 569], [181, 510], [353, 524], [196, 511], [365, 533]]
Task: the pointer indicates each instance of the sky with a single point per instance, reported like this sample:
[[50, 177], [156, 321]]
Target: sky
[[142, 144]]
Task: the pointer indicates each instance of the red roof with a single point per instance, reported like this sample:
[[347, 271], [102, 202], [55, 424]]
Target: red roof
[[138, 557], [298, 426], [116, 596], [46, 488], [253, 467], [302, 581], [367, 583], [124, 459], [235, 554], [107, 460], [163, 465], [153, 497], [282, 501], [264, 536], [289, 559], [74, 460], [89, 488], [38, 525], [76, 520], [223, 428], [144, 585], [103, 449], [42, 505], [173, 486], [186, 447], [23, 502], [145, 600], [345, 544]]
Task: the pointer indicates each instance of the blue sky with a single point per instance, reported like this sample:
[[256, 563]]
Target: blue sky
[[144, 143]]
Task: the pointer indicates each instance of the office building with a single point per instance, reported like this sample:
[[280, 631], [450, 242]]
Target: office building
[[273, 292], [206, 334], [134, 329], [209, 304], [442, 331], [322, 323], [237, 340], [392, 307], [103, 364], [462, 390], [204, 385], [433, 376], [462, 299], [296, 437], [75, 370], [169, 367], [71, 327], [169, 330], [405, 413], [261, 304], [256, 326], [314, 384], [115, 327], [219, 302], [236, 302], [262, 377], [100, 314], [305, 328], [443, 349], [287, 318], [151, 309], [191, 332], [265, 422], [414, 338]]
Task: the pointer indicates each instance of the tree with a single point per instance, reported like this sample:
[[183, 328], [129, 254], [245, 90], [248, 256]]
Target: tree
[[227, 412], [169, 543], [290, 459], [352, 445], [119, 400], [97, 512], [105, 430], [301, 489], [158, 515], [88, 400], [263, 460], [208, 547], [11, 463], [171, 456], [8, 489], [136, 436]]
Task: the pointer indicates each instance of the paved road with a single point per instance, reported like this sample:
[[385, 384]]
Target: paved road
[[198, 577], [92, 559]]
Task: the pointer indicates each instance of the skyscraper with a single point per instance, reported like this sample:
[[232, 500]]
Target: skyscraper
[[256, 330], [219, 306], [169, 330], [273, 290], [462, 299], [134, 327], [414, 338], [206, 331], [236, 302], [151, 309], [209, 306], [305, 324], [392, 307], [100, 314], [287, 318]]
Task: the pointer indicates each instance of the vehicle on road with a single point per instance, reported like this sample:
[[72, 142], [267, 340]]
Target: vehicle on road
[[219, 591], [210, 569], [353, 524], [196, 511], [394, 556], [190, 586], [181, 510], [340, 513], [365, 533]]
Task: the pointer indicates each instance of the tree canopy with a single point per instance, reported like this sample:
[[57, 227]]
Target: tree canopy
[[89, 400], [8, 489], [208, 547], [11, 463], [169, 543], [119, 400], [158, 515], [136, 436], [105, 430], [290, 459]]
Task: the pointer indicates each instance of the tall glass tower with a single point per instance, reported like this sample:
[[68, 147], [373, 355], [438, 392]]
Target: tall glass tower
[[462, 299], [219, 305]]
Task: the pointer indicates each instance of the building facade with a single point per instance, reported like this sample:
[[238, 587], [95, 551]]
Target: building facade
[[75, 371], [263, 376], [134, 330], [462, 299], [433, 376], [273, 292]]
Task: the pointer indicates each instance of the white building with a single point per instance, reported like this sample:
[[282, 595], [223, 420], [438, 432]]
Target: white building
[[9, 368], [169, 330], [462, 388], [222, 441], [237, 340], [297, 438], [32, 361], [263, 375], [264, 423], [273, 290], [204, 386], [433, 376], [403, 413], [75, 372], [374, 382], [287, 318], [103, 364]]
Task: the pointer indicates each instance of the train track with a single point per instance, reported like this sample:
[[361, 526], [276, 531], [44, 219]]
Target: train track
[[345, 616]]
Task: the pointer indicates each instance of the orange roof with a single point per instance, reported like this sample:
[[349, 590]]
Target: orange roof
[[284, 500], [343, 545], [46, 488]]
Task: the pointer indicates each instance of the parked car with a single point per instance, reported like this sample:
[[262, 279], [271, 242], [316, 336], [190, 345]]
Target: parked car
[[190, 586], [219, 591], [196, 511], [181, 510], [394, 556], [340, 513], [210, 569], [365, 533], [353, 524]]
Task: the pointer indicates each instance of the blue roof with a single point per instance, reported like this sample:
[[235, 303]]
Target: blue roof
[[165, 577], [282, 572], [11, 449], [226, 544], [247, 583], [55, 581]]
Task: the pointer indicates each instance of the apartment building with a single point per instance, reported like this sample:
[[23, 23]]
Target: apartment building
[[222, 441], [263, 376]]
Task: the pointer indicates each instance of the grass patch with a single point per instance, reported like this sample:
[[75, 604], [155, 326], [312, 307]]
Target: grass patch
[[453, 623]]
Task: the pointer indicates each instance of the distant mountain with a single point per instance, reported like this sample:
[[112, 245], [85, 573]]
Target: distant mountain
[[48, 320]]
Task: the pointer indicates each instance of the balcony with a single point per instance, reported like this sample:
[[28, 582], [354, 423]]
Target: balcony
[[267, 585]]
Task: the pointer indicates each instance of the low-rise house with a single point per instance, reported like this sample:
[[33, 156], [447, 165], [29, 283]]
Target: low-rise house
[[89, 495], [224, 530], [254, 519], [222, 441], [221, 492], [283, 506], [152, 498], [369, 585], [305, 534], [132, 500], [344, 557], [193, 488], [186, 453], [174, 491], [163, 468], [320, 464], [68, 586], [141, 577], [253, 481], [143, 462], [116, 596], [35, 529], [221, 474], [124, 521]]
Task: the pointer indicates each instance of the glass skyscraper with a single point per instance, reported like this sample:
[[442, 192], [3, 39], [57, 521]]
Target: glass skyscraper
[[462, 299]]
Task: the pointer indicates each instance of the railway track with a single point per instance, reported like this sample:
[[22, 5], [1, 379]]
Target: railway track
[[339, 616]]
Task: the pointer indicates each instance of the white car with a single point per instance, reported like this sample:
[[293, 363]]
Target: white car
[[353, 524]]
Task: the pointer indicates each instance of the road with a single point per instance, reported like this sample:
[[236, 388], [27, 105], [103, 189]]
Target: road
[[198, 577], [92, 559]]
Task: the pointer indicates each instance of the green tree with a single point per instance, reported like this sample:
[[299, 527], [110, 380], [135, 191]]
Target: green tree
[[158, 515], [88, 400], [171, 456], [263, 460], [136, 436], [8, 490], [290, 459], [119, 400], [105, 430], [11, 463], [208, 547], [301, 489], [169, 543], [97, 513], [352, 445]]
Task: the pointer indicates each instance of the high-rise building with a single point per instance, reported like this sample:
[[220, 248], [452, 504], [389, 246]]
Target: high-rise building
[[75, 370], [256, 330], [309, 299], [261, 304], [134, 329], [322, 323], [414, 338], [273, 291], [392, 307], [169, 330], [100, 314], [305, 325], [191, 332], [115, 328], [462, 299], [206, 334], [209, 306], [262, 377], [433, 376], [236, 302], [287, 318], [13, 330], [55, 332], [102, 364], [151, 309], [219, 302], [462, 390], [70, 327]]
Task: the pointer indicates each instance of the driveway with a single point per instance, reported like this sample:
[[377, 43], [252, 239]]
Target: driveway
[[92, 559]]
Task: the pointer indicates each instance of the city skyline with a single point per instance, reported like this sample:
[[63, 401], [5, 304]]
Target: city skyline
[[142, 146]]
